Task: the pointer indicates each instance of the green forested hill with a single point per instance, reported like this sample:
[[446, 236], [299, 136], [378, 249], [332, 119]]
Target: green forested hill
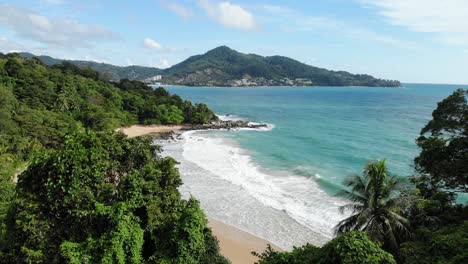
[[74, 191], [108, 70], [223, 66], [41, 104]]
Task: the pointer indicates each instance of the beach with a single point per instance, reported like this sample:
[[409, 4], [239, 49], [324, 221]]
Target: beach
[[140, 130], [235, 244]]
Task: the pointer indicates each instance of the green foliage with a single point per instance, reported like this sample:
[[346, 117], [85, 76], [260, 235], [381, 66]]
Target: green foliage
[[104, 198], [443, 160], [189, 237], [447, 245], [349, 248], [376, 207], [40, 105], [106, 71], [90, 197], [220, 65], [440, 224]]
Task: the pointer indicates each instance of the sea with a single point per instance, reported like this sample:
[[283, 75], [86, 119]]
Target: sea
[[280, 182]]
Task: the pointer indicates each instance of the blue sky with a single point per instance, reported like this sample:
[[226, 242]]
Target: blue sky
[[408, 40]]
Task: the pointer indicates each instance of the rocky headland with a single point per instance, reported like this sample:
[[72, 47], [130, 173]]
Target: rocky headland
[[172, 131]]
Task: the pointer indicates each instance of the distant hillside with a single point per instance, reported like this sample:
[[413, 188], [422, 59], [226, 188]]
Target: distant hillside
[[223, 66], [115, 72]]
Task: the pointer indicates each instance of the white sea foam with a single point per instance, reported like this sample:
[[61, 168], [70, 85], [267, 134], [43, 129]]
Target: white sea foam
[[285, 207], [298, 196], [230, 117]]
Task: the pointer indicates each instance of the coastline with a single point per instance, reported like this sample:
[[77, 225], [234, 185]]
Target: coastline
[[235, 244], [168, 130], [274, 86], [142, 130]]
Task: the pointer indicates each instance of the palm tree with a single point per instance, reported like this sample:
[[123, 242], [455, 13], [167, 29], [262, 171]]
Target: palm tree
[[376, 208]]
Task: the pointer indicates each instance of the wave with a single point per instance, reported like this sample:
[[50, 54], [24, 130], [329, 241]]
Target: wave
[[299, 196], [232, 117]]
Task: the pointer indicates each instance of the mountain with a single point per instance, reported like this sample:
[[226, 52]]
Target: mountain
[[114, 72], [223, 66]]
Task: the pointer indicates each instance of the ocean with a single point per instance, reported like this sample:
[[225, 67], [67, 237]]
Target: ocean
[[280, 183]]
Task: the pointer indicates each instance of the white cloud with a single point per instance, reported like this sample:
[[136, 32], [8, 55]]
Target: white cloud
[[40, 22], [161, 64], [152, 44], [180, 10], [229, 15], [294, 21], [446, 18], [95, 59], [57, 32], [8, 46]]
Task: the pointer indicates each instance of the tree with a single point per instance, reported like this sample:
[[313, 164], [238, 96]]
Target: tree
[[104, 198], [446, 245], [439, 223], [349, 248], [375, 205], [443, 161]]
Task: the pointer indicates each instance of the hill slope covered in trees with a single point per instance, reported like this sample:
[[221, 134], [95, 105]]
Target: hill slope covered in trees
[[74, 191], [41, 104], [106, 70], [223, 66]]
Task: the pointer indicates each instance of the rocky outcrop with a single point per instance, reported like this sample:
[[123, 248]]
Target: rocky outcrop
[[226, 125]]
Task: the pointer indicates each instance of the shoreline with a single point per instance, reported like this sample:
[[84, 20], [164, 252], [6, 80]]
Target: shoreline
[[235, 244], [274, 86], [168, 130], [148, 130]]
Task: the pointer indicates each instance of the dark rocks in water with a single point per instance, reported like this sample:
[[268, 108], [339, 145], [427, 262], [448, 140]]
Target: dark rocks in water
[[171, 135], [230, 124]]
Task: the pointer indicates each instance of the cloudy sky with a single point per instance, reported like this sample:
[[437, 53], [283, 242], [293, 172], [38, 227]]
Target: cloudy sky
[[408, 40]]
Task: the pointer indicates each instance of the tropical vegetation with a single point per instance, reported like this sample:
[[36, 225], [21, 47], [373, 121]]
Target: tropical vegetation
[[420, 222], [105, 198], [376, 206], [41, 104], [351, 247], [72, 190]]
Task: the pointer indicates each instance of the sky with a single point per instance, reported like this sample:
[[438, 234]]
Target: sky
[[423, 41]]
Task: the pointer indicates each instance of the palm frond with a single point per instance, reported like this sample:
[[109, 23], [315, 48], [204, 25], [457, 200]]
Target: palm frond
[[354, 207], [353, 196], [346, 225]]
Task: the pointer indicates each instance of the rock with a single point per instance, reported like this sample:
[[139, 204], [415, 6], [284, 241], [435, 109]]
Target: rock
[[230, 124]]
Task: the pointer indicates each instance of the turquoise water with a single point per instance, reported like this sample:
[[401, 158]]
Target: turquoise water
[[327, 133]]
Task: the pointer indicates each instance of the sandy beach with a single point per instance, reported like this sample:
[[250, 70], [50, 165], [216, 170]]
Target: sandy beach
[[235, 244], [140, 130]]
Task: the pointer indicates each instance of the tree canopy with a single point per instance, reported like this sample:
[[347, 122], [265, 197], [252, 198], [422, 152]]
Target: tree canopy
[[443, 160], [375, 206], [41, 104], [349, 248], [87, 196], [105, 198]]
